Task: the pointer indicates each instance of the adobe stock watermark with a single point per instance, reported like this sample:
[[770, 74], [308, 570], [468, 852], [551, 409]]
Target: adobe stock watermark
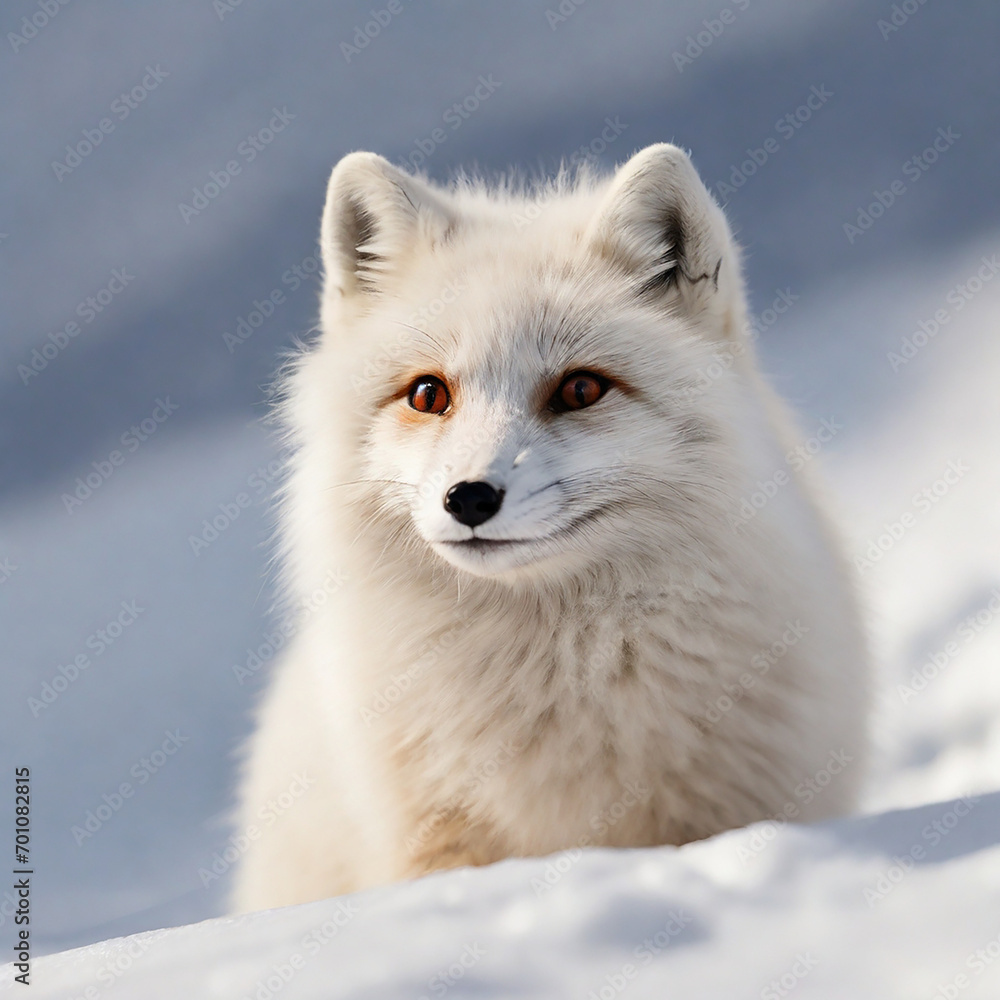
[[87, 484], [7, 569], [650, 948], [795, 459], [977, 962], [368, 31], [31, 25], [562, 13], [724, 358], [899, 16], [238, 844], [97, 642], [969, 629], [399, 684], [273, 982], [261, 310], [762, 661], [387, 355], [248, 150], [258, 483], [923, 500], [958, 298], [634, 793], [782, 986], [444, 979], [472, 784], [712, 28], [279, 637], [587, 154], [121, 107], [223, 8], [930, 836], [454, 117], [913, 169], [118, 964], [786, 127], [763, 834], [88, 310], [8, 907], [112, 803]]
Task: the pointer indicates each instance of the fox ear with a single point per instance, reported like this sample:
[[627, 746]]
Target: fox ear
[[659, 224], [374, 215]]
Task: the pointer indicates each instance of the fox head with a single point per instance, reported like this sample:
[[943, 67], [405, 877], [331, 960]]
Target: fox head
[[518, 378]]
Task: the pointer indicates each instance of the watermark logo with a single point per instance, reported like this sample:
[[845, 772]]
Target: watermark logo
[[88, 310], [249, 149], [712, 28], [958, 298], [121, 107], [30, 26], [913, 169], [924, 500], [454, 117], [786, 127], [898, 18]]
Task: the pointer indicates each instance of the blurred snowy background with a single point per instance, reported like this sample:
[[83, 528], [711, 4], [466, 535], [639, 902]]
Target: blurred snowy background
[[815, 123]]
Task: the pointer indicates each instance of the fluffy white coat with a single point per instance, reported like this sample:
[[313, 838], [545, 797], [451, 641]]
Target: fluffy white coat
[[630, 652]]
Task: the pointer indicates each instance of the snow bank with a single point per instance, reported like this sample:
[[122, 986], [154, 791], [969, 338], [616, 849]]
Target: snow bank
[[904, 904]]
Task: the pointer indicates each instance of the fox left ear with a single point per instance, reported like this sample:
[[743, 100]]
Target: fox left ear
[[374, 216], [660, 225]]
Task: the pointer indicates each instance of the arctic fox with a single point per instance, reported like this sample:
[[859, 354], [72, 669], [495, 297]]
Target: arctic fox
[[588, 595]]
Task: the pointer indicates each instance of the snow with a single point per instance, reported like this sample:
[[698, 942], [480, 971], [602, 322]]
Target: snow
[[862, 908], [918, 482]]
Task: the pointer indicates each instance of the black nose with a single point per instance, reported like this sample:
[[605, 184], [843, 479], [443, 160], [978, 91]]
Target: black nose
[[472, 503]]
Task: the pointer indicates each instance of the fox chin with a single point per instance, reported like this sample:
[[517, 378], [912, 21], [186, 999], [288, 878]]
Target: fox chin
[[586, 593]]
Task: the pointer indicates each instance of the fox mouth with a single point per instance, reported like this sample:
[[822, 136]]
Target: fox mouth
[[487, 556], [486, 547]]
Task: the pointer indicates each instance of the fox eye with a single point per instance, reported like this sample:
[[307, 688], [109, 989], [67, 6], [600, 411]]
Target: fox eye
[[578, 390], [429, 394]]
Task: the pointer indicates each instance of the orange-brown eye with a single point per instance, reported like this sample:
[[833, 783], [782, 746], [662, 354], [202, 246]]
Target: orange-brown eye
[[579, 390], [429, 395]]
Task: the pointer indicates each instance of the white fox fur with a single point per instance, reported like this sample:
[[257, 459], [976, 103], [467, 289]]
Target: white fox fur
[[614, 674]]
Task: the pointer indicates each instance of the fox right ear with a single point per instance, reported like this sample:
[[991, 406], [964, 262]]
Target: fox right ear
[[374, 214], [659, 224]]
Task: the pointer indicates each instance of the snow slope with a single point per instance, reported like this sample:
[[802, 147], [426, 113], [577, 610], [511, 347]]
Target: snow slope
[[865, 909], [917, 483]]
